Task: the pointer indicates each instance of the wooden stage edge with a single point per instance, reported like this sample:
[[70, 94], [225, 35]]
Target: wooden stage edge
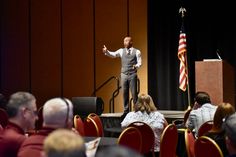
[[170, 114]]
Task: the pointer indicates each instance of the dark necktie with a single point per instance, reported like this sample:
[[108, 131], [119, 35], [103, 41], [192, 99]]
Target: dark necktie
[[129, 52]]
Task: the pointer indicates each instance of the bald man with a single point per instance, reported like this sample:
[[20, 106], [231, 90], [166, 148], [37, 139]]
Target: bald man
[[130, 62], [57, 113]]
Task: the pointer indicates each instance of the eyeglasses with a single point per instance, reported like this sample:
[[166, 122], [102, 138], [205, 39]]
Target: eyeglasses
[[35, 113]]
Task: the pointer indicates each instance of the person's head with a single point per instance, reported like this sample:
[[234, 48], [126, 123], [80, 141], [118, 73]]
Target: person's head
[[58, 113], [223, 110], [229, 127], [144, 103], [22, 110], [118, 151], [202, 98], [128, 42], [64, 143]]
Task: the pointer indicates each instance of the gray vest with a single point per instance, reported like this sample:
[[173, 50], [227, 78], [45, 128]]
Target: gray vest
[[127, 62]]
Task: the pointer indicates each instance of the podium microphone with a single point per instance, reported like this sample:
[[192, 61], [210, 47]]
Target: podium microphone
[[218, 54]]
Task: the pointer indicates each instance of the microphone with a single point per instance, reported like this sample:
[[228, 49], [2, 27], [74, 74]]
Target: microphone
[[217, 53]]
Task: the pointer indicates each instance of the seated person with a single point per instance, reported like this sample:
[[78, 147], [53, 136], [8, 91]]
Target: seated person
[[64, 143], [22, 114], [230, 131], [145, 111], [202, 111], [217, 133], [57, 113]]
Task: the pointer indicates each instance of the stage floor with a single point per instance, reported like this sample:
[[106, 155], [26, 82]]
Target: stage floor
[[167, 114], [111, 121]]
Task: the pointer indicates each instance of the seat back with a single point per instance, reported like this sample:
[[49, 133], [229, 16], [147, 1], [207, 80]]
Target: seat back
[[79, 124], [93, 126], [189, 142], [98, 123], [131, 137], [168, 143], [205, 127], [90, 127], [147, 134], [3, 118], [205, 146]]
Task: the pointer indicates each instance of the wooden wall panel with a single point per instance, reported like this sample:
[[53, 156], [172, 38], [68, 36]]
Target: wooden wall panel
[[54, 48], [46, 49], [14, 46], [111, 28], [78, 49], [138, 30]]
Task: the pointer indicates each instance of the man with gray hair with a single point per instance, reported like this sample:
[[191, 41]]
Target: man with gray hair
[[229, 127], [57, 113], [22, 112]]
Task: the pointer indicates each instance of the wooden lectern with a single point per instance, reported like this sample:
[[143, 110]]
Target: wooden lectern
[[216, 77]]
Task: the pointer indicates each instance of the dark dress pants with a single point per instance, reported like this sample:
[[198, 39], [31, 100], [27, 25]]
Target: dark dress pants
[[129, 81]]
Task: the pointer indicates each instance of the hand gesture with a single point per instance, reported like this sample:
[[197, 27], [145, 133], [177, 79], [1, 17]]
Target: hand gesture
[[104, 49]]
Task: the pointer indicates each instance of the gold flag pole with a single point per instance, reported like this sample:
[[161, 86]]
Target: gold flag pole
[[182, 12]]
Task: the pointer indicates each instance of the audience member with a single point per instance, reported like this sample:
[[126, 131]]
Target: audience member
[[202, 111], [145, 111], [118, 151], [57, 113], [217, 133], [230, 130], [64, 143], [22, 112]]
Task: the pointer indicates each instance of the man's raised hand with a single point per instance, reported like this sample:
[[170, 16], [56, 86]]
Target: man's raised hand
[[104, 49]]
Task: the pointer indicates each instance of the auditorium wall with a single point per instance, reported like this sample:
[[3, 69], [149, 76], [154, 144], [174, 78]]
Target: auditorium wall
[[54, 48]]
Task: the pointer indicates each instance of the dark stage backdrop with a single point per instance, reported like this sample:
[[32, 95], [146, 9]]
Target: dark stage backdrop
[[209, 28]]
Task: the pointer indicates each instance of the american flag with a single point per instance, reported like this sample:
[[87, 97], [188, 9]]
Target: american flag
[[182, 55]]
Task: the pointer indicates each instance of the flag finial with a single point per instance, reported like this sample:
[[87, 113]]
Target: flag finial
[[182, 10]]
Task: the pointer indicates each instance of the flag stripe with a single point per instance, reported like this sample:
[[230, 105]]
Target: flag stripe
[[182, 52]]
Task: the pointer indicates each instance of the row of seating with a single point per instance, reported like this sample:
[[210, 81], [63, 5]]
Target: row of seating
[[202, 146], [138, 135], [90, 126], [144, 136]]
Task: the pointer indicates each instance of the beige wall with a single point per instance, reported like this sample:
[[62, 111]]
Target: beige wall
[[54, 48]]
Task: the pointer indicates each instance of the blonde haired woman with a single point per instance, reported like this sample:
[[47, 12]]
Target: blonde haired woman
[[146, 111]]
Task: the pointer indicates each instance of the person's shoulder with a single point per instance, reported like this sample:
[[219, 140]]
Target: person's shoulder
[[11, 137], [34, 139], [208, 105], [157, 114], [131, 113], [195, 112], [137, 50]]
